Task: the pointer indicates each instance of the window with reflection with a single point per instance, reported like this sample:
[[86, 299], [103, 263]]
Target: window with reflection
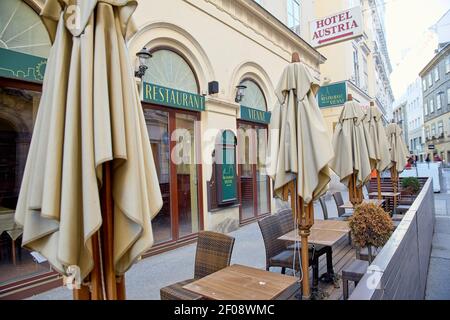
[[22, 36], [252, 145]]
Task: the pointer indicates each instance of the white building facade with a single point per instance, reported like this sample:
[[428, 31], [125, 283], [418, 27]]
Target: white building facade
[[414, 119]]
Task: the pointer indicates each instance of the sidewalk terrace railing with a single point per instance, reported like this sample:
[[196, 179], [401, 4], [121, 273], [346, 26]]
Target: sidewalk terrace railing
[[400, 269]]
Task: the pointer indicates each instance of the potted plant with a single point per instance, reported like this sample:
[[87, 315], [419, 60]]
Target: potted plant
[[411, 185], [370, 227]]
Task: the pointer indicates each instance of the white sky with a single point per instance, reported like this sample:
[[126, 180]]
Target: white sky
[[406, 22]]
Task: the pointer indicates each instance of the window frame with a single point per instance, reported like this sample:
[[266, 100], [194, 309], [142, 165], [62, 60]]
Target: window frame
[[290, 10]]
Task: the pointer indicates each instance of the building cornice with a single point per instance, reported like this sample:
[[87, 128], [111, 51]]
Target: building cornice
[[222, 106], [251, 15]]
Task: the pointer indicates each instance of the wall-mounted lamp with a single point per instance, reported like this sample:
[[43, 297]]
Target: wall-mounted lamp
[[143, 55], [240, 93]]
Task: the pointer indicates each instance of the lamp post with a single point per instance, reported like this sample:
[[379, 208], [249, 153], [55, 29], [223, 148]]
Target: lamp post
[[240, 93], [143, 55]]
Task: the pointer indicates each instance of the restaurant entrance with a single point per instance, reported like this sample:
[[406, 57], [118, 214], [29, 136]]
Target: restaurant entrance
[[254, 187], [173, 137]]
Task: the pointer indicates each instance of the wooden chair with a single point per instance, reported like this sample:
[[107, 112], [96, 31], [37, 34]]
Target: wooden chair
[[213, 254], [323, 204], [337, 196]]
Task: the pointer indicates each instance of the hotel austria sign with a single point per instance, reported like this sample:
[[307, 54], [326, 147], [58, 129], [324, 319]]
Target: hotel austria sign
[[341, 26]]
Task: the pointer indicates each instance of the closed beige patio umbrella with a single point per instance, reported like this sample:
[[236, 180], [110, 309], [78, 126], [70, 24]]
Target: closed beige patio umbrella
[[399, 154], [299, 150], [378, 135], [90, 187], [353, 148]]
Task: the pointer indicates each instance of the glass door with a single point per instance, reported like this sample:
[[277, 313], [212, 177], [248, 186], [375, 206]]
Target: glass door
[[187, 178], [158, 131], [173, 137], [253, 181]]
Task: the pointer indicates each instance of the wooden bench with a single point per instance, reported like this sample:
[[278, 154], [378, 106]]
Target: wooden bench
[[353, 272]]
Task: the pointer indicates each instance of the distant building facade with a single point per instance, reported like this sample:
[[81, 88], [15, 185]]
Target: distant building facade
[[436, 104], [414, 119], [400, 116]]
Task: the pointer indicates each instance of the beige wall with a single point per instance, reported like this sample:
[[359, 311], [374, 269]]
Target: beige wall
[[224, 41]]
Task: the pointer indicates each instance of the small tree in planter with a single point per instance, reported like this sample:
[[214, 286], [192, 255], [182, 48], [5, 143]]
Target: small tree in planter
[[411, 185], [370, 226]]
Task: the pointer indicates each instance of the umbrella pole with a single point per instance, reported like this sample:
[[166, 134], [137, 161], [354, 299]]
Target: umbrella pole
[[94, 291], [96, 274], [82, 293], [121, 293], [305, 222], [379, 185], [394, 177], [107, 233], [290, 189]]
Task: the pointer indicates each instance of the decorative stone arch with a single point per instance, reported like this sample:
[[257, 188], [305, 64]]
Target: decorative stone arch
[[253, 71], [17, 123], [167, 35]]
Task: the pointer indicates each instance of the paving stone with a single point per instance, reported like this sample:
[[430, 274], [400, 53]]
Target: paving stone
[[442, 225], [438, 283]]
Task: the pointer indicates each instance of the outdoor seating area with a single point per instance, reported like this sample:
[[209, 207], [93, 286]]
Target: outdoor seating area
[[336, 264], [139, 160]]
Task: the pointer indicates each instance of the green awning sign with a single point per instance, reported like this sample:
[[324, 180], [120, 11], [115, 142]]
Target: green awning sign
[[22, 66], [255, 115], [332, 95], [173, 98]]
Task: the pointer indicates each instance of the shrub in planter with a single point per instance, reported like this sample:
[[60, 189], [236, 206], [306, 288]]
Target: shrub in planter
[[411, 185], [370, 226]]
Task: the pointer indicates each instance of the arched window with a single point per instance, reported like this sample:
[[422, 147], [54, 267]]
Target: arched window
[[22, 30], [253, 96], [168, 69]]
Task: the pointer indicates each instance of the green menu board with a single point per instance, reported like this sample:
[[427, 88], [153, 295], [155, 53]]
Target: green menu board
[[226, 169], [332, 95]]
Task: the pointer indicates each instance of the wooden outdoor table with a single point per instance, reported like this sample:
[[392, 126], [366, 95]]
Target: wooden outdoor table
[[238, 282], [320, 235], [349, 205], [317, 236]]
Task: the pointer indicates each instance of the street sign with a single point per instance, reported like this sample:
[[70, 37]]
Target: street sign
[[338, 27], [431, 147]]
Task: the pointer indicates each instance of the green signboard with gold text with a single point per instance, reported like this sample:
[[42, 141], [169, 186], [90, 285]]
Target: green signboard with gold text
[[226, 169], [22, 66], [255, 115], [173, 98], [332, 95]]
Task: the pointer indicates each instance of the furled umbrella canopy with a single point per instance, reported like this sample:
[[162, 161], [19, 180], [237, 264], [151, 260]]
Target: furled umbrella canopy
[[378, 135], [89, 114], [398, 150], [299, 144], [350, 143]]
